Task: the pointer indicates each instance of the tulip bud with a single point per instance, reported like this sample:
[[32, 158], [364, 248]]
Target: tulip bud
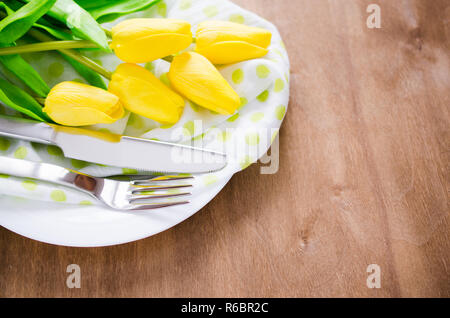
[[142, 93], [76, 104], [146, 40], [227, 42], [193, 76]]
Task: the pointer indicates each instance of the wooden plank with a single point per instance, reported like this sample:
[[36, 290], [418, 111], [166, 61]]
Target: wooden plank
[[363, 179]]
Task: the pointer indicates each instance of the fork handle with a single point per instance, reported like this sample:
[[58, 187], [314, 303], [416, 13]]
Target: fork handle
[[48, 172]]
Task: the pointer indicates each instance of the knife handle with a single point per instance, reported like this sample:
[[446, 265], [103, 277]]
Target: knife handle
[[25, 129]]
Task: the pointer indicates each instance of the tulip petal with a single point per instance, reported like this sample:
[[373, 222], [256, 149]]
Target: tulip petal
[[195, 77], [210, 32], [142, 93], [151, 48], [231, 52], [84, 116], [76, 104], [146, 40]]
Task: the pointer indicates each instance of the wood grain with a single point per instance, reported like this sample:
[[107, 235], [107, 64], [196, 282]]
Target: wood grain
[[363, 179]]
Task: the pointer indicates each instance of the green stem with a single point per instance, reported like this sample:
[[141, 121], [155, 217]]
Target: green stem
[[107, 32], [38, 35], [40, 100], [47, 46], [88, 62]]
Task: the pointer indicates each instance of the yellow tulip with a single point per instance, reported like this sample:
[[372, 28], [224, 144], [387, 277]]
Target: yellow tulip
[[76, 104], [146, 40], [193, 76], [142, 93], [228, 42]]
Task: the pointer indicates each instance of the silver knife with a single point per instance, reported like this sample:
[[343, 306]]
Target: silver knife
[[115, 150]]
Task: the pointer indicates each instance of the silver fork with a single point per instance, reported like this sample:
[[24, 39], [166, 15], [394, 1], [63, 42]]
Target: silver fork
[[136, 195]]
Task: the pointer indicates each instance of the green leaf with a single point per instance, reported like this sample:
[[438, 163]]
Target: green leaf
[[89, 75], [16, 24], [6, 8], [55, 31], [81, 23], [19, 100], [89, 4], [20, 68], [106, 11], [25, 72]]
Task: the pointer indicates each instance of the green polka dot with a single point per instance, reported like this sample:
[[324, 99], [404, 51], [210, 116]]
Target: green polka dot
[[78, 80], [280, 111], [129, 171], [237, 18], [105, 131], [213, 112], [21, 153], [262, 71], [224, 136], [85, 202], [58, 196], [136, 122], [279, 85], [4, 176], [56, 69], [54, 151], [29, 185], [199, 137], [98, 61], [208, 180], [4, 144], [246, 162], [167, 126], [263, 96], [233, 118], [189, 128], [244, 101], [162, 9], [185, 4], [78, 164], [165, 79], [150, 66], [194, 107], [274, 135], [278, 52], [211, 11], [252, 139], [238, 76], [147, 192], [256, 117], [173, 191]]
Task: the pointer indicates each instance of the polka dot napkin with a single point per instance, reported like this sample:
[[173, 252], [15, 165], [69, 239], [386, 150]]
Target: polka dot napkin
[[263, 85]]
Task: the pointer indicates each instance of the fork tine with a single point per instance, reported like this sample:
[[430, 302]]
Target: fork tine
[[156, 188], [157, 196], [160, 179], [157, 206]]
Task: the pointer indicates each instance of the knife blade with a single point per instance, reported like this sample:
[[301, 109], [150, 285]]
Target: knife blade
[[115, 150]]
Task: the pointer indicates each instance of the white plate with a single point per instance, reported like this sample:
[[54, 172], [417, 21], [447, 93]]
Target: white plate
[[93, 226], [90, 226]]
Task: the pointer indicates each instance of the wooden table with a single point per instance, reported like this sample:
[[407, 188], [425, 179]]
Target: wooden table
[[363, 178]]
